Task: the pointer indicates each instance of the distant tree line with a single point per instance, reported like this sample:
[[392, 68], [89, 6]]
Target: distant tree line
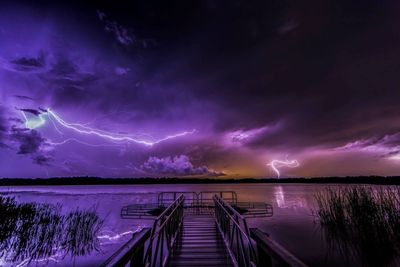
[[86, 180]]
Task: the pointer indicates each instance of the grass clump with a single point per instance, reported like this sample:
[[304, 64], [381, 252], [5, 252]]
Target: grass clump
[[364, 221], [32, 231]]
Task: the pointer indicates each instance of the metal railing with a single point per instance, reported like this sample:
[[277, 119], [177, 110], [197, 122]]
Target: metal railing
[[236, 234], [141, 211], [195, 203], [165, 198], [164, 234], [152, 248], [254, 209], [207, 197]]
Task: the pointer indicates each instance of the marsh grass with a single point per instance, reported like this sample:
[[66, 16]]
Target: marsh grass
[[32, 231], [81, 230], [363, 221]]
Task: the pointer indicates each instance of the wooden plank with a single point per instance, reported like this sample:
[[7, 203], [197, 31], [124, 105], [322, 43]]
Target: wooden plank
[[200, 244]]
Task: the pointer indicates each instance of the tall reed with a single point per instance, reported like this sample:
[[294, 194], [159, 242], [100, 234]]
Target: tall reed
[[365, 220], [31, 231]]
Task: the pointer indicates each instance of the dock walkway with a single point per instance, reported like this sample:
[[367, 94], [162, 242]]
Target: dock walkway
[[200, 244]]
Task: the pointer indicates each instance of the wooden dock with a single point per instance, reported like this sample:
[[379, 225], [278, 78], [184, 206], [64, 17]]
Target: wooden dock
[[200, 244], [201, 232]]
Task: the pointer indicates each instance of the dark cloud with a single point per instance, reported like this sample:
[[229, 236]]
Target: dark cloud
[[65, 72], [63, 68], [67, 94], [29, 141], [15, 121], [23, 141], [259, 77], [32, 111], [41, 159], [69, 84], [3, 127], [321, 79], [29, 63], [178, 166], [123, 35], [23, 97]]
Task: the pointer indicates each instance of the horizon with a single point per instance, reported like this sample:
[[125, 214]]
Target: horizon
[[208, 89], [365, 177]]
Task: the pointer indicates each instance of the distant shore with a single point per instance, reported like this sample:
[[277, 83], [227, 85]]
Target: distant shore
[[379, 180]]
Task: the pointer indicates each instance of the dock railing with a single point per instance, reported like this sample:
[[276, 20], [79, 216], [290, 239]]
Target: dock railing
[[164, 233], [151, 247], [236, 234], [196, 203]]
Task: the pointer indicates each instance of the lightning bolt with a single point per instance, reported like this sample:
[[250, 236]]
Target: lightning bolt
[[113, 237], [276, 164], [83, 129], [79, 142], [33, 123]]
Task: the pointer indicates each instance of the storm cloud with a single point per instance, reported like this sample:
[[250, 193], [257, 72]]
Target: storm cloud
[[3, 127], [175, 166], [256, 80]]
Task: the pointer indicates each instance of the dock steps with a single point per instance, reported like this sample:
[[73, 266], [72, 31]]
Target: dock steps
[[200, 244]]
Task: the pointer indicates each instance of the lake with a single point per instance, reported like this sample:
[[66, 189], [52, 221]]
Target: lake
[[292, 225]]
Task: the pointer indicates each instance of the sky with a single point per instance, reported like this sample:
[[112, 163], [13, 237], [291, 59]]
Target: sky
[[223, 89]]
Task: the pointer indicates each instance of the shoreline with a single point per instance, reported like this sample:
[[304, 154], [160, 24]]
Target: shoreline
[[373, 180]]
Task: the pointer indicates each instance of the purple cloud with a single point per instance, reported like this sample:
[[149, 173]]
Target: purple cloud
[[3, 127], [23, 97], [15, 137], [384, 146], [248, 136], [178, 165], [29, 63], [29, 140], [41, 159], [258, 100], [32, 111]]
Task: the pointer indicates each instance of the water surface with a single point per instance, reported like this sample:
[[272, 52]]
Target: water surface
[[292, 225]]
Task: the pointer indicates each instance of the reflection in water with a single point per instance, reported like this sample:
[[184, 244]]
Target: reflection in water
[[280, 197], [56, 258], [284, 201], [290, 226], [110, 237]]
